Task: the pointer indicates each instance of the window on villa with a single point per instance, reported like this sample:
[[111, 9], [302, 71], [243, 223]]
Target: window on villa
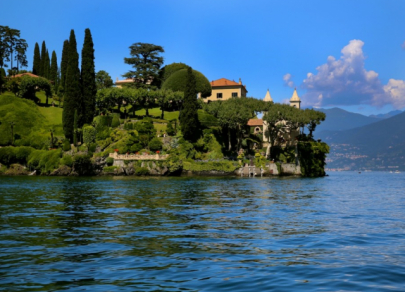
[[234, 94], [219, 95]]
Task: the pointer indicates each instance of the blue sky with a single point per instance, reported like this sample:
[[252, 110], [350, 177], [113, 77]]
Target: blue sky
[[353, 49]]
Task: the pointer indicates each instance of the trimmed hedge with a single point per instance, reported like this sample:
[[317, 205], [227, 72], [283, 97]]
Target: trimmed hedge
[[177, 82]]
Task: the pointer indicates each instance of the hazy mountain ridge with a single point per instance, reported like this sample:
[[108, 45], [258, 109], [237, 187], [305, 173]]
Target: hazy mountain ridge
[[380, 144]]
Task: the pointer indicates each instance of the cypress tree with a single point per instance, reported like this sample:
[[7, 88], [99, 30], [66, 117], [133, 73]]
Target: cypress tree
[[189, 117], [36, 64], [53, 74], [43, 59], [63, 66], [88, 80], [72, 88], [47, 65]]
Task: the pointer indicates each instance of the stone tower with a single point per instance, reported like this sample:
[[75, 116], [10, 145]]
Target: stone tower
[[295, 101]]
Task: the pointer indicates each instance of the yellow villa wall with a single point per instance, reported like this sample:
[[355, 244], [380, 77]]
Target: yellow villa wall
[[226, 93]]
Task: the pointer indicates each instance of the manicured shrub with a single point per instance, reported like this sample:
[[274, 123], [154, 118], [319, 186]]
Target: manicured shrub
[[177, 82], [136, 147], [89, 134], [115, 121], [155, 144], [66, 145], [45, 161], [109, 161]]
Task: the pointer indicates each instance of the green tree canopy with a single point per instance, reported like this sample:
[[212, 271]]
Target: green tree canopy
[[178, 82], [146, 61], [103, 80]]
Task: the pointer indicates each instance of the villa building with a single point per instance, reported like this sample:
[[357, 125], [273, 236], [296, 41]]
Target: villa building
[[259, 126], [223, 89]]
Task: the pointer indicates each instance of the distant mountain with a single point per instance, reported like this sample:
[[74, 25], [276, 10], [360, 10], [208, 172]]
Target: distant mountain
[[340, 120], [380, 144], [387, 115]]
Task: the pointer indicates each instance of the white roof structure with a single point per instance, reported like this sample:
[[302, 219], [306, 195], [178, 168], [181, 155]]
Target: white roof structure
[[295, 96], [268, 97]]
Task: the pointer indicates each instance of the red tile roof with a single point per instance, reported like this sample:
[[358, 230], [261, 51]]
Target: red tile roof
[[255, 122], [224, 82]]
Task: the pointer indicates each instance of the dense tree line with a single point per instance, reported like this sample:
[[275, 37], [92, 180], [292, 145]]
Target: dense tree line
[[108, 98]]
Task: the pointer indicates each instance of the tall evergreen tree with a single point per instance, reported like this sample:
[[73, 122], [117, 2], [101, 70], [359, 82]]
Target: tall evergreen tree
[[53, 73], [36, 64], [47, 65], [88, 80], [63, 66], [189, 117], [43, 59], [72, 88]]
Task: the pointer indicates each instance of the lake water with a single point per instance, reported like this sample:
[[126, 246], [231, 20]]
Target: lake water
[[345, 232]]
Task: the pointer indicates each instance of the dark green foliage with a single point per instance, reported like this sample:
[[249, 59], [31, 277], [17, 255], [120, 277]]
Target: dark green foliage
[[53, 73], [103, 80], [141, 171], [10, 155], [47, 65], [88, 80], [92, 147], [109, 161], [66, 160], [102, 122], [82, 164], [75, 127], [64, 64], [36, 64], [2, 79], [178, 82], [136, 148], [312, 157], [145, 127], [89, 134], [66, 145], [170, 130], [72, 88], [155, 144], [42, 68], [188, 117], [44, 161], [115, 120], [167, 71], [146, 61]]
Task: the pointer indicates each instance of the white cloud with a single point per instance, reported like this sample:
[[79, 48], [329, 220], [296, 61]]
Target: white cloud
[[345, 82], [396, 91], [287, 80]]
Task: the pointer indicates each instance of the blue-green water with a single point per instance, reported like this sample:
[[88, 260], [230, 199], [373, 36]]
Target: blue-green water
[[345, 232]]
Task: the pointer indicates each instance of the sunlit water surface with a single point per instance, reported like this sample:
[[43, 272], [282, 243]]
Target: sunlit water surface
[[345, 232]]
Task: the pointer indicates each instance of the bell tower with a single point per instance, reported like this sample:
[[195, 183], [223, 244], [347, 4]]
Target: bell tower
[[295, 101]]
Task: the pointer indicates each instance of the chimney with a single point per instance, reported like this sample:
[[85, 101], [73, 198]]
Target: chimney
[[240, 81]]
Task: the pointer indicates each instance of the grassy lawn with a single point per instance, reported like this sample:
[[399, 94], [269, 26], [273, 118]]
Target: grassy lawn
[[156, 113], [52, 114]]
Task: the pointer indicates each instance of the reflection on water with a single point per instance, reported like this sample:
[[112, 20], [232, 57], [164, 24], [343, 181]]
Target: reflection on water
[[343, 232]]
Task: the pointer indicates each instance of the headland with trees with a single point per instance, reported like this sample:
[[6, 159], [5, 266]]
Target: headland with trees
[[71, 120]]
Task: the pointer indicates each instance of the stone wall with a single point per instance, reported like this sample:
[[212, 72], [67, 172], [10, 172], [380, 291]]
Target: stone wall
[[117, 156]]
